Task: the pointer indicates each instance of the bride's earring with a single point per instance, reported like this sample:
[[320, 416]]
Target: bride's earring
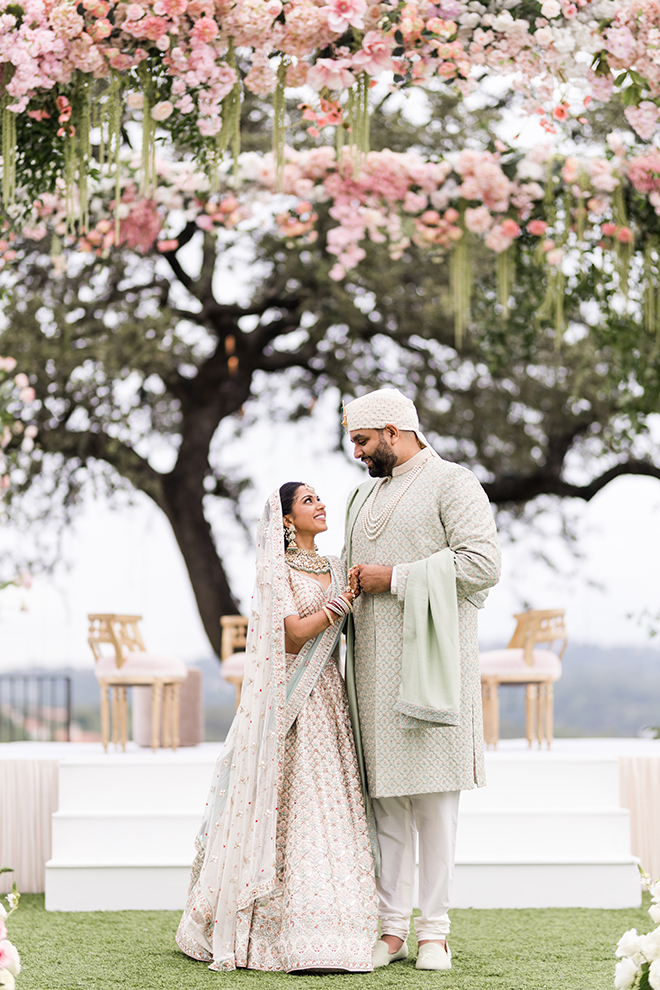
[[290, 537]]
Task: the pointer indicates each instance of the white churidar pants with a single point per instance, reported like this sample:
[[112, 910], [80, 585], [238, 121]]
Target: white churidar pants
[[432, 817]]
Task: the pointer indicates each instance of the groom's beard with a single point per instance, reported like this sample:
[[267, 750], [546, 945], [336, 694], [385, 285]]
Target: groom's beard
[[382, 461]]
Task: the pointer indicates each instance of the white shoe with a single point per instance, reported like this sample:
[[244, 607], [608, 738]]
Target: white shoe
[[383, 956], [433, 956]]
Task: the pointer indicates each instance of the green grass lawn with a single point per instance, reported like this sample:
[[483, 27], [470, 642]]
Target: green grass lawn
[[492, 950]]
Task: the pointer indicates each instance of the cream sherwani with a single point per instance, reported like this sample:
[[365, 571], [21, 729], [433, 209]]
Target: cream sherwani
[[407, 766], [445, 507]]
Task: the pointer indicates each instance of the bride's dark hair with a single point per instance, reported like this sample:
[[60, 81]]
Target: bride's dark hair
[[287, 495]]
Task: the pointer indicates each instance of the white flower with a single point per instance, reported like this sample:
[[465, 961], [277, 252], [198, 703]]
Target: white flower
[[624, 974], [650, 945], [654, 974], [628, 944], [654, 910], [14, 965], [12, 899], [7, 981], [551, 8], [3, 911]]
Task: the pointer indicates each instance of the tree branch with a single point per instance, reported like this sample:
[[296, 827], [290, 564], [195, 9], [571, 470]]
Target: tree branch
[[518, 488], [101, 446]]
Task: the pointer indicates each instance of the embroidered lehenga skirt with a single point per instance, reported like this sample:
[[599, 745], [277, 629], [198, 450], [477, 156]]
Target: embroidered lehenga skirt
[[324, 915]]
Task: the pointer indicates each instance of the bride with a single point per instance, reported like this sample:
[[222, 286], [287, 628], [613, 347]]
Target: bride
[[283, 878]]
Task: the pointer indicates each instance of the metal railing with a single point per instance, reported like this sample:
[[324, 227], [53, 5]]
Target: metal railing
[[35, 707]]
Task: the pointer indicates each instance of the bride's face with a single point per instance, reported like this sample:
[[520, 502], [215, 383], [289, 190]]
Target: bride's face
[[307, 512]]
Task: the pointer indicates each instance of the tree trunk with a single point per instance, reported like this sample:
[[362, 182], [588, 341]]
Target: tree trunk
[[184, 509]]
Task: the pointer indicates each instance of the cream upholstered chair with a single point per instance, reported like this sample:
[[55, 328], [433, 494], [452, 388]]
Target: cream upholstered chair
[[234, 635], [128, 664], [522, 663]]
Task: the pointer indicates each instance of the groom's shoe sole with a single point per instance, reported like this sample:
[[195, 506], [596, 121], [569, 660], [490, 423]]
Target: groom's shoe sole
[[383, 957]]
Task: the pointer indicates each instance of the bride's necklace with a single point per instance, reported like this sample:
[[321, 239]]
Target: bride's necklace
[[307, 561], [374, 525]]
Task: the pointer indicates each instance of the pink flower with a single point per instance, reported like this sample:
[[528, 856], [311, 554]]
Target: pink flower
[[174, 7], [120, 62], [510, 228], [97, 8], [141, 227], [555, 256], [26, 395], [624, 235], [21, 380], [537, 228], [161, 111], [209, 126], [560, 112], [343, 14], [608, 229], [497, 240], [165, 246], [374, 56], [134, 12], [478, 220], [644, 172], [101, 29], [643, 119], [330, 73], [205, 29]]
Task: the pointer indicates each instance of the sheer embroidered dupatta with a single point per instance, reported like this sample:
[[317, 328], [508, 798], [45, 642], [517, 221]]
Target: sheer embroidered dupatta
[[235, 860]]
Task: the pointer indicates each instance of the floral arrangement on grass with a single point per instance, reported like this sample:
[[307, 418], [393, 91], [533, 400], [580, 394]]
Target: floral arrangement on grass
[[72, 73], [10, 963], [639, 955]]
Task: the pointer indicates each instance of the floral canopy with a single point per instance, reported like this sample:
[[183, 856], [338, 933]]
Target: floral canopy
[[75, 76]]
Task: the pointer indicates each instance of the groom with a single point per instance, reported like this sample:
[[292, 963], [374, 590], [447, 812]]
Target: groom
[[422, 539]]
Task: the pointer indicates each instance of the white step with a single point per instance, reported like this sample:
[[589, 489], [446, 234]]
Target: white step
[[604, 885], [78, 887], [119, 837], [561, 834], [544, 779], [134, 784]]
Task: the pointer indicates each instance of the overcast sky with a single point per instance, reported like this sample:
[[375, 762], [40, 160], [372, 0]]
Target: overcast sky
[[127, 561]]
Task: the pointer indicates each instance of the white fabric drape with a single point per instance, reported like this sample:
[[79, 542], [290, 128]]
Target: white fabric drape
[[640, 792], [28, 798]]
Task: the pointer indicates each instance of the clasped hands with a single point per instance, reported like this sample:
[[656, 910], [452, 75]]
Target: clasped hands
[[373, 579]]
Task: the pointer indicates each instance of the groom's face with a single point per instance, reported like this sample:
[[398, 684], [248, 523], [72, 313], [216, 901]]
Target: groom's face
[[374, 449]]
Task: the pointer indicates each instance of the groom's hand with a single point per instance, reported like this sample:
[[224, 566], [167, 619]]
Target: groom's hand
[[375, 578]]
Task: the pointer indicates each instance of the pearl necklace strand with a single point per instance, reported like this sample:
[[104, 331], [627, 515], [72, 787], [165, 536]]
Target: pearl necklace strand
[[374, 525]]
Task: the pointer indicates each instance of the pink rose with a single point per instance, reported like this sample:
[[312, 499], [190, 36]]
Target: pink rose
[[163, 110], [330, 73], [374, 57], [205, 30], [537, 228], [343, 14]]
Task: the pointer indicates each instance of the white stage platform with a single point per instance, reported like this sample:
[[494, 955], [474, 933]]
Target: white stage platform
[[547, 831]]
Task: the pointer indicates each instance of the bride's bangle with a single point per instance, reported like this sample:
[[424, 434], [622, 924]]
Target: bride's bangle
[[330, 617], [340, 606]]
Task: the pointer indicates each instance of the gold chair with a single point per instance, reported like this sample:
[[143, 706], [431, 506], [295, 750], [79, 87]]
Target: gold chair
[[128, 664], [522, 663], [234, 636]]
